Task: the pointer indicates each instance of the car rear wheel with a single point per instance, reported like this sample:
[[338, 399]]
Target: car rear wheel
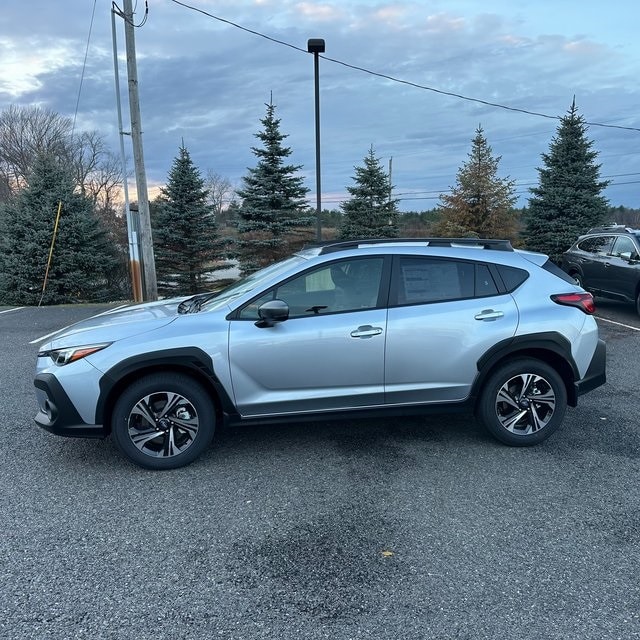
[[163, 421], [638, 303], [523, 402], [578, 278]]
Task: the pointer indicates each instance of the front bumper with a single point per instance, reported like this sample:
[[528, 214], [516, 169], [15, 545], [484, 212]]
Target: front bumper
[[56, 412], [596, 373]]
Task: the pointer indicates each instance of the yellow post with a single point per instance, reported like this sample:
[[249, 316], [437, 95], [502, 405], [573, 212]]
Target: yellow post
[[53, 241]]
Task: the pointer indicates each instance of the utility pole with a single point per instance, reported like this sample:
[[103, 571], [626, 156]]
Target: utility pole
[[146, 241], [132, 232]]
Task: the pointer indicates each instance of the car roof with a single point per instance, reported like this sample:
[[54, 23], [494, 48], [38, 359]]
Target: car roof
[[332, 246], [612, 228]]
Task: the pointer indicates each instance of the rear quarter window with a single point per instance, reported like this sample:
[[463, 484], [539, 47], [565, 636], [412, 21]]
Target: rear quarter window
[[512, 276]]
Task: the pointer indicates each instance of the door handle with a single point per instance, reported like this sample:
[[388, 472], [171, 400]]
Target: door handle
[[489, 315], [366, 331]]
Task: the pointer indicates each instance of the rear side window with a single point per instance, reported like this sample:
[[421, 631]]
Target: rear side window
[[598, 245], [423, 280], [512, 276], [485, 285]]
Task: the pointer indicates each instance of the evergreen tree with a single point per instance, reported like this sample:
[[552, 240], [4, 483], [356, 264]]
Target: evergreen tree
[[370, 212], [83, 257], [568, 199], [273, 212], [481, 203], [185, 233]]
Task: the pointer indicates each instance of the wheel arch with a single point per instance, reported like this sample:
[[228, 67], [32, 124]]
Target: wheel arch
[[192, 362], [552, 348]]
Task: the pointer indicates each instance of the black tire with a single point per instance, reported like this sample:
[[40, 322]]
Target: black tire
[[638, 303], [578, 278], [523, 402], [155, 437]]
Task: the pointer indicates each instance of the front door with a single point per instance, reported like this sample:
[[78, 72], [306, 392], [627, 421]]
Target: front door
[[329, 354]]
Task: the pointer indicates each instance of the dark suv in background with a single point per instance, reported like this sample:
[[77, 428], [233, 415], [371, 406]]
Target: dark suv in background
[[606, 262]]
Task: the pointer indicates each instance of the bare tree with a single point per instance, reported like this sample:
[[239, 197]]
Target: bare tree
[[220, 195], [26, 132]]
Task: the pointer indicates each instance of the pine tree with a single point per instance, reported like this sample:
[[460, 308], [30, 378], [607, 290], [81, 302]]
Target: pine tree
[[274, 211], [83, 256], [370, 212], [481, 204], [568, 199], [185, 233]]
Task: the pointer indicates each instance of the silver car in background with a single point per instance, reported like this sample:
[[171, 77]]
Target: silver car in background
[[340, 329]]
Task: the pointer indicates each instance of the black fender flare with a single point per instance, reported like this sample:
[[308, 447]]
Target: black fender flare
[[549, 346], [192, 360]]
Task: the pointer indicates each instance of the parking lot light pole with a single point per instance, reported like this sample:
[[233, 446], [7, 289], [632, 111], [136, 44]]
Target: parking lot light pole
[[316, 46]]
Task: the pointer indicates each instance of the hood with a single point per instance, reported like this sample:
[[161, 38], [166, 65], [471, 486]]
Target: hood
[[118, 323]]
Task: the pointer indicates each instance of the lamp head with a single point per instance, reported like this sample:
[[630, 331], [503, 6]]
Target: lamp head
[[315, 45]]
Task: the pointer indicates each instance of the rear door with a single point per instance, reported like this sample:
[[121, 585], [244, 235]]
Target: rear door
[[594, 260], [444, 315]]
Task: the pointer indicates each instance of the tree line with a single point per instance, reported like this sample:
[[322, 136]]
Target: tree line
[[200, 222]]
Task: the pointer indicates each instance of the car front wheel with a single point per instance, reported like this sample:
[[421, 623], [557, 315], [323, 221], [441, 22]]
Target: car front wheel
[[523, 402], [163, 421]]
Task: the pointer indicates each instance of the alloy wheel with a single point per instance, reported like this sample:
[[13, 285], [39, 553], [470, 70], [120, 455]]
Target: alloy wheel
[[525, 404], [163, 424]]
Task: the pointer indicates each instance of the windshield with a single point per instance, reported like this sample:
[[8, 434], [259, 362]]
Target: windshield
[[253, 281]]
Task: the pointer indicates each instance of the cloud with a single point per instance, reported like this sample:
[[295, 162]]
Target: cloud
[[23, 62], [207, 82], [319, 12]]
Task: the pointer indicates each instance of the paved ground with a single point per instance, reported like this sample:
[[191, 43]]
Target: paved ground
[[420, 528]]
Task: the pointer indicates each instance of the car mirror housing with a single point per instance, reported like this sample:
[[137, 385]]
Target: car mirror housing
[[272, 312]]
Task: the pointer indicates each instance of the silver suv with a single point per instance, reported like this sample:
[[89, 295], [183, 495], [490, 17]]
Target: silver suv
[[338, 330]]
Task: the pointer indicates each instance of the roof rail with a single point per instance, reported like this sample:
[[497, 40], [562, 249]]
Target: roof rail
[[331, 246], [611, 227]]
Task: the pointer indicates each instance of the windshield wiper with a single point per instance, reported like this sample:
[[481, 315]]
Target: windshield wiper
[[194, 304]]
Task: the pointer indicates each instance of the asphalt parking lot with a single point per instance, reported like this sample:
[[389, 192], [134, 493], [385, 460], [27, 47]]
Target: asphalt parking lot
[[413, 528]]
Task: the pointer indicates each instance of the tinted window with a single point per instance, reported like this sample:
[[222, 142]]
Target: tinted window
[[512, 276], [347, 285], [623, 244], [422, 280], [485, 285], [599, 245], [557, 271]]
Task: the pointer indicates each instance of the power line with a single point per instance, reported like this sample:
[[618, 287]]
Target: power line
[[409, 83], [119, 12], [84, 66]]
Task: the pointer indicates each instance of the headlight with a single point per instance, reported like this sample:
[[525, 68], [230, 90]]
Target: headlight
[[71, 354]]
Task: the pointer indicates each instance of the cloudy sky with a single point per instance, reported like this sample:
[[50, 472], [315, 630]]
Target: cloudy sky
[[206, 82]]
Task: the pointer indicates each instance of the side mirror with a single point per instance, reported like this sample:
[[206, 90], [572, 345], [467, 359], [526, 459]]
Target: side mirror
[[271, 312], [627, 256]]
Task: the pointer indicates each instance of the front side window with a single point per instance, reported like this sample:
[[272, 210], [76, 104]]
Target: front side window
[[345, 285], [623, 244]]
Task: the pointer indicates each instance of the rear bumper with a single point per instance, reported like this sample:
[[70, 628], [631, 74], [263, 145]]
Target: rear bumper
[[596, 374], [56, 412]]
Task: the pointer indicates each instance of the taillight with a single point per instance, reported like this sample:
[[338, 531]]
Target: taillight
[[583, 301]]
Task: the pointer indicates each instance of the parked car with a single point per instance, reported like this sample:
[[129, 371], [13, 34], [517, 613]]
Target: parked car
[[341, 329], [606, 261]]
